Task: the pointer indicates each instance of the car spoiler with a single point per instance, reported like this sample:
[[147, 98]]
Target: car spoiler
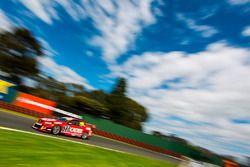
[[91, 125]]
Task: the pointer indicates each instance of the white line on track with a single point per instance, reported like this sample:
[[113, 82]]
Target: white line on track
[[53, 137]]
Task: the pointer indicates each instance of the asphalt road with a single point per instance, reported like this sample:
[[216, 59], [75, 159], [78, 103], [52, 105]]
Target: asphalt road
[[23, 123]]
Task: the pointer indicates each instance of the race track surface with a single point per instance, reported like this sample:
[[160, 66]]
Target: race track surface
[[23, 123]]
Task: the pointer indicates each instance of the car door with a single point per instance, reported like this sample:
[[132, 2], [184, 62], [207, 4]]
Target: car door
[[72, 128]]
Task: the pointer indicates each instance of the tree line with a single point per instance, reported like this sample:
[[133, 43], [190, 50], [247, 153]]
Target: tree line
[[19, 50]]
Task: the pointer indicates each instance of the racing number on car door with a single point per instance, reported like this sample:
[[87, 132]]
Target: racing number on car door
[[66, 128], [72, 127]]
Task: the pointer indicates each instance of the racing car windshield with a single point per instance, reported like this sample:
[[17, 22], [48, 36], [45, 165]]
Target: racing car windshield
[[62, 119]]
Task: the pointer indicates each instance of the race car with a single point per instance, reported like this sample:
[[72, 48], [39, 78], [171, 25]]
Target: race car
[[66, 126]]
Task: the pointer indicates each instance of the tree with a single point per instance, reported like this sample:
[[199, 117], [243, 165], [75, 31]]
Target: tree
[[46, 87], [117, 103], [90, 106], [75, 89], [120, 88], [123, 109], [99, 96], [18, 52], [138, 111]]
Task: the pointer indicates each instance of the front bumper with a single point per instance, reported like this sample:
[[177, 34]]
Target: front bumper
[[41, 127]]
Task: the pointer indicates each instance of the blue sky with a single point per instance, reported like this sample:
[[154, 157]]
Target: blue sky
[[187, 62]]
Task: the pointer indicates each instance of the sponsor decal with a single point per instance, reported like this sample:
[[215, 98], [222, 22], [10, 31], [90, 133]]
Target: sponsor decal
[[34, 103], [4, 86], [67, 128], [88, 128], [48, 119], [5, 89], [40, 105], [75, 130]]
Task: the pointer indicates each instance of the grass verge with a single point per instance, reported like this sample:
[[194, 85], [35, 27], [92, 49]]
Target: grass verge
[[21, 149]]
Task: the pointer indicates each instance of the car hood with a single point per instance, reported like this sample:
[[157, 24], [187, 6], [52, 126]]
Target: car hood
[[48, 120]]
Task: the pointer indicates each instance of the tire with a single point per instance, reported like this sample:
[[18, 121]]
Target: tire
[[84, 135], [56, 130]]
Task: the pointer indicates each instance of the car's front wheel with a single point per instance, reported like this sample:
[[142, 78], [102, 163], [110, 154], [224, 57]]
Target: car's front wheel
[[85, 135], [56, 130]]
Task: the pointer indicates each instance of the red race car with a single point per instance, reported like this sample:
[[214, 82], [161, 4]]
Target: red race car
[[66, 126]]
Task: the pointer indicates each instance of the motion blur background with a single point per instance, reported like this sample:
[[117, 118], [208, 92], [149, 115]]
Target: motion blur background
[[175, 69]]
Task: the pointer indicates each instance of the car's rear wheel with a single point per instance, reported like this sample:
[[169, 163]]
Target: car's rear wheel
[[56, 130], [85, 135]]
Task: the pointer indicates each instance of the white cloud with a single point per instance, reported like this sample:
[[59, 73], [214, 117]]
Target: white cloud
[[61, 73], [5, 22], [43, 9], [205, 30], [89, 53], [238, 2], [75, 10], [246, 31], [46, 10], [47, 49], [208, 88], [119, 23]]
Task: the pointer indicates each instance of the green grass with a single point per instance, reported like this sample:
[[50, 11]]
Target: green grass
[[21, 149]]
